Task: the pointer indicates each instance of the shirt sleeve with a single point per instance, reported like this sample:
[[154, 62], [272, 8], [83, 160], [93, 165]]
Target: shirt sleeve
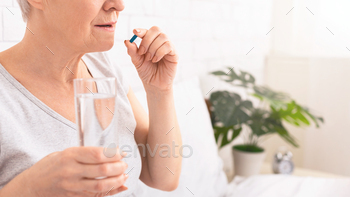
[[119, 74]]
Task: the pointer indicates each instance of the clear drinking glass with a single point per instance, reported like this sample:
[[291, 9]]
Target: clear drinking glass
[[95, 112]]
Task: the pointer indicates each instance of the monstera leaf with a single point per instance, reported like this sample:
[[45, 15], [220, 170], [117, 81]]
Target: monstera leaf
[[260, 122], [285, 135], [229, 108], [243, 78], [246, 78], [230, 112], [314, 118], [225, 133], [264, 122], [275, 99], [297, 115]]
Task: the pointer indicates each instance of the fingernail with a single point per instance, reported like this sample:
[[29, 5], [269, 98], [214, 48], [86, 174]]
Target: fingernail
[[124, 154], [149, 56], [137, 30], [126, 176], [142, 50], [123, 188], [155, 59]]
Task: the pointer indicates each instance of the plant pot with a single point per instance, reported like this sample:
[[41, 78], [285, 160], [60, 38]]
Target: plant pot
[[247, 162]]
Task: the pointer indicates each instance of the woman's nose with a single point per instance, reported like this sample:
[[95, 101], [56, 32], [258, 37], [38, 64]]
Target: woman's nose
[[118, 5]]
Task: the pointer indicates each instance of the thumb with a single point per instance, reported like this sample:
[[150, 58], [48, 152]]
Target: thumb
[[132, 51]]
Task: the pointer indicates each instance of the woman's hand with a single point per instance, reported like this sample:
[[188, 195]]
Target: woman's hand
[[155, 60], [71, 173]]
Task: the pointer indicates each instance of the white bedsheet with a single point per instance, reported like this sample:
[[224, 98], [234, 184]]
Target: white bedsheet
[[288, 186]]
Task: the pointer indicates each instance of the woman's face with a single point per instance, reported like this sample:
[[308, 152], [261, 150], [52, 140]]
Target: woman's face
[[75, 21]]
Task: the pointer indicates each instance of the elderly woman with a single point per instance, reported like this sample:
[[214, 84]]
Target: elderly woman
[[40, 154]]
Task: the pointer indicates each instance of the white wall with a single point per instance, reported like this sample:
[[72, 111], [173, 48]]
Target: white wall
[[327, 149], [304, 33], [323, 85], [312, 64]]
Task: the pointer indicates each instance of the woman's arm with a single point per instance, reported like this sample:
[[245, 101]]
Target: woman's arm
[[160, 135], [18, 186], [156, 62]]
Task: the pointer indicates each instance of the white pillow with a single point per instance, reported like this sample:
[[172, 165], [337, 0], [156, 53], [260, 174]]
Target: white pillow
[[202, 174]]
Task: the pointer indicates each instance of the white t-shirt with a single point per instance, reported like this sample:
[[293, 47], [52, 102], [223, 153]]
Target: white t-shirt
[[30, 130]]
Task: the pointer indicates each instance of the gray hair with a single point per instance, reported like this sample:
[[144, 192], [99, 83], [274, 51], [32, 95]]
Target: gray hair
[[25, 7]]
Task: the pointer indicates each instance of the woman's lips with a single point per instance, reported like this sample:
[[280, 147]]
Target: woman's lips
[[109, 23], [109, 28]]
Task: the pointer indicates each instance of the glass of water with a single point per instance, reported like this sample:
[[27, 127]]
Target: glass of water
[[96, 113]]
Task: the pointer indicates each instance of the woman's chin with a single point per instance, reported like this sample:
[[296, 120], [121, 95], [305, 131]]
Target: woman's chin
[[105, 46]]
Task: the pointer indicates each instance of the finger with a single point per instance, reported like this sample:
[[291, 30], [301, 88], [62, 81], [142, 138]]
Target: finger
[[86, 193], [80, 193], [167, 51], [102, 185], [93, 155], [108, 193], [102, 170], [140, 32], [132, 51], [112, 191], [158, 42], [148, 37], [118, 190]]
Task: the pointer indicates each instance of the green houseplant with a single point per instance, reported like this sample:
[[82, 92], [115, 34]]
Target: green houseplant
[[230, 112]]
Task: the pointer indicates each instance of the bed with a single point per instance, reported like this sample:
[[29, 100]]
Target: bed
[[271, 185], [202, 173]]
